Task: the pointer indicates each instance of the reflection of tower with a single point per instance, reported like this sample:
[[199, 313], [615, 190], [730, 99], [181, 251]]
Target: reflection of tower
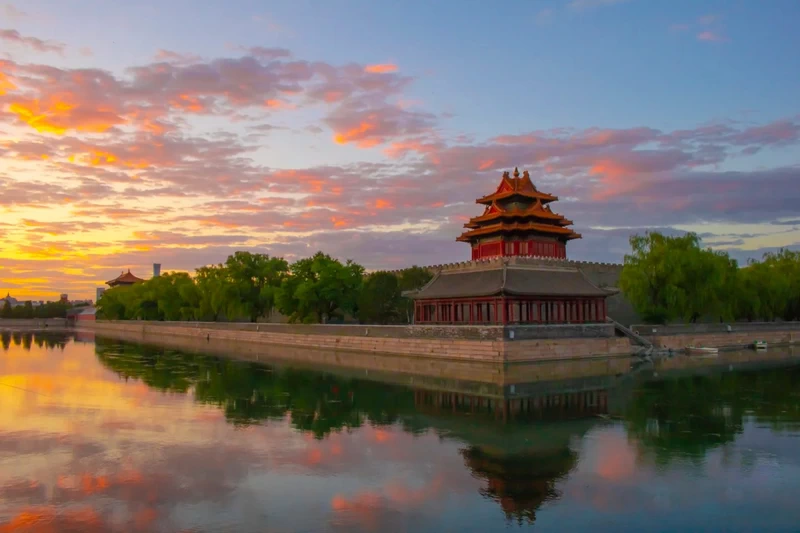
[[156, 269], [520, 483]]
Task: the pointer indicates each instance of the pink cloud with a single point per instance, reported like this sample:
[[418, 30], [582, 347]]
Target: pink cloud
[[711, 36], [14, 37]]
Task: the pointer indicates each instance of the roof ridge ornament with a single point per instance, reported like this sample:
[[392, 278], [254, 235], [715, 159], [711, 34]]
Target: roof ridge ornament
[[516, 172]]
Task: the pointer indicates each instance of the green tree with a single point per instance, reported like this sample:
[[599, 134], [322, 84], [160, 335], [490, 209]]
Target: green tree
[[256, 279], [320, 288], [379, 301], [113, 304], [176, 296], [217, 296], [7, 311], [669, 278], [410, 279]]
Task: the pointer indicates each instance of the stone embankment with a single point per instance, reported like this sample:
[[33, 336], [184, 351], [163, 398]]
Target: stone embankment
[[495, 344], [728, 336], [32, 323]]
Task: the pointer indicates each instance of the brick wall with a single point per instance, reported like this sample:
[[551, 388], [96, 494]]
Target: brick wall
[[11, 323], [724, 340], [491, 348]]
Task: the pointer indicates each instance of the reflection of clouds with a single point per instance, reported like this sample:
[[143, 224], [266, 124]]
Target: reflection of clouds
[[75, 456]]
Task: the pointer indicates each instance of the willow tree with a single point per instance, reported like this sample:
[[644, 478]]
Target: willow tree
[[670, 278], [256, 279]]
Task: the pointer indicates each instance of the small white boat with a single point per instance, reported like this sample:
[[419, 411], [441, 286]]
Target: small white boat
[[760, 345], [702, 350]]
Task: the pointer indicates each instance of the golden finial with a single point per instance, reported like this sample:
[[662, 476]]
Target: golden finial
[[516, 172]]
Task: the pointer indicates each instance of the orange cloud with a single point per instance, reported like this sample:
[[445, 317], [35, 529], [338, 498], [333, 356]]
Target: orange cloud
[[485, 165], [380, 203], [5, 84], [274, 103], [59, 114], [384, 68], [355, 133]]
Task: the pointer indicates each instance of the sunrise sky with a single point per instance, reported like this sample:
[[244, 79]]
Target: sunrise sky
[[178, 132]]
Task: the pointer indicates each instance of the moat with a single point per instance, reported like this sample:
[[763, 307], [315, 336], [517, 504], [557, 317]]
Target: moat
[[104, 435]]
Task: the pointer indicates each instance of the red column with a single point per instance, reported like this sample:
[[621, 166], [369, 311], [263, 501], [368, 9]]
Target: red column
[[603, 311], [580, 310], [504, 305], [452, 312]]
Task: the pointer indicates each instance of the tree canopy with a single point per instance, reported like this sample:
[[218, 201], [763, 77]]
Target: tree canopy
[[249, 286], [319, 289], [27, 310], [670, 279]]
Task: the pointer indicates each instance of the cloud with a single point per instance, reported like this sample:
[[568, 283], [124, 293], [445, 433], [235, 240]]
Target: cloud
[[381, 68], [580, 5], [12, 12], [14, 37], [711, 36], [110, 169]]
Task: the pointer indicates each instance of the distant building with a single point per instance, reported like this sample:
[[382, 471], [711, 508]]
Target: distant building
[[76, 315], [12, 302], [124, 279], [156, 269], [65, 298], [99, 293]]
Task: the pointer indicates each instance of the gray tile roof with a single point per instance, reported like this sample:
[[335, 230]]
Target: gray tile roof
[[509, 281]]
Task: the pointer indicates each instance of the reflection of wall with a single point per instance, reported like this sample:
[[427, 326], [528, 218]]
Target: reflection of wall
[[541, 407]]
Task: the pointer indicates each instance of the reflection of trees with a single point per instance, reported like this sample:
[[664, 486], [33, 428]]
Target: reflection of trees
[[249, 393], [520, 483], [689, 416], [27, 339]]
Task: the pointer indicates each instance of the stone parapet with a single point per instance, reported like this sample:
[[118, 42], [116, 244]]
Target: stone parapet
[[12, 323], [464, 343], [724, 340], [703, 329]]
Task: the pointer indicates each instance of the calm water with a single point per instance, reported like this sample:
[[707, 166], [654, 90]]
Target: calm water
[[107, 436]]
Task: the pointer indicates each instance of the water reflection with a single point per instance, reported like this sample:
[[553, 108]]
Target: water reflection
[[105, 436]]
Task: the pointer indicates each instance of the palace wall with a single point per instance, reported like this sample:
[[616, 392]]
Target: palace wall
[[13, 323], [735, 335], [493, 344]]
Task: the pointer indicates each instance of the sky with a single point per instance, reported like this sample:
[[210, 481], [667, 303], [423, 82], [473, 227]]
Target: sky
[[179, 132]]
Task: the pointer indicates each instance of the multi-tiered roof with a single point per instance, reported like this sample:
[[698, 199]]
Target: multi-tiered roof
[[515, 211], [126, 278], [518, 273]]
